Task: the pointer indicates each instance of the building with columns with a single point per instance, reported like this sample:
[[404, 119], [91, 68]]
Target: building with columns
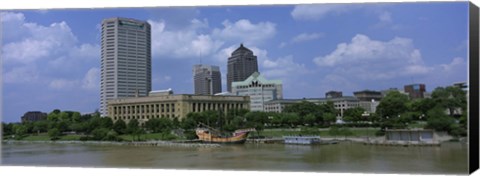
[[166, 104]]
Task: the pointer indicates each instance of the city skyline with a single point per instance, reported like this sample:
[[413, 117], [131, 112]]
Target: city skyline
[[52, 58]]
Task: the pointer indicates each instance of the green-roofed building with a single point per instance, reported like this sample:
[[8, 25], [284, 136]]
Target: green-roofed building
[[259, 89]]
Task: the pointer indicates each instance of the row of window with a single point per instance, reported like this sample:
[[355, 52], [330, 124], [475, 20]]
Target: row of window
[[200, 107], [145, 117], [151, 108]]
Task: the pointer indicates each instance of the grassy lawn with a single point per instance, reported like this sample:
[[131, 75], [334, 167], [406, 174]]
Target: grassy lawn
[[149, 136], [357, 132], [45, 137], [417, 125]]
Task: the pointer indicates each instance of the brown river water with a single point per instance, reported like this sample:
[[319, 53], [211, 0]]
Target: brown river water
[[449, 158]]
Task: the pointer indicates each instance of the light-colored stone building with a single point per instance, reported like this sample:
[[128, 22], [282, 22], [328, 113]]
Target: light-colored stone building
[[165, 104], [259, 89], [341, 104]]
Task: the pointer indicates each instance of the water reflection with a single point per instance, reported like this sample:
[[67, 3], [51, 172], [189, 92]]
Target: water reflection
[[450, 158]]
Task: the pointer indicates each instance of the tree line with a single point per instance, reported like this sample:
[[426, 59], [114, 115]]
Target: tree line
[[446, 110]]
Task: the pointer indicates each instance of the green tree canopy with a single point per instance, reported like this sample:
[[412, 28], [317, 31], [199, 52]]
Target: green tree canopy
[[393, 104], [438, 120], [354, 114], [54, 134], [120, 126], [451, 98], [157, 125]]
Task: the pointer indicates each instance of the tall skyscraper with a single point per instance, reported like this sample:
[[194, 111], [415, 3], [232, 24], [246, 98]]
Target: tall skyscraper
[[241, 65], [207, 79], [125, 60]]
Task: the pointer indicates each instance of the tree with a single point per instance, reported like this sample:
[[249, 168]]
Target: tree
[[40, 126], [54, 134], [256, 120], [78, 127], [54, 115], [64, 116], [76, 117], [132, 126], [329, 118], [112, 136], [291, 119], [422, 106], [303, 108], [120, 126], [62, 125], [188, 123], [106, 122], [393, 104], [451, 98], [93, 123], [438, 120], [354, 114], [310, 119], [7, 129], [158, 125], [20, 131], [100, 133], [277, 120]]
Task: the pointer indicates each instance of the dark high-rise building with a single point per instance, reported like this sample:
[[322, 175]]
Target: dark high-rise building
[[207, 79], [415, 90], [125, 60], [241, 65], [33, 116], [333, 94]]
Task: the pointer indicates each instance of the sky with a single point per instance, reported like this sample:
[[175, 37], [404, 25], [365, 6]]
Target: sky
[[51, 58]]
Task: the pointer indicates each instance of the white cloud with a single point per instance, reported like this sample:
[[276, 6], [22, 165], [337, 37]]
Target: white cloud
[[317, 12], [85, 51], [371, 59], [91, 80], [223, 54], [283, 67], [385, 17], [184, 43], [306, 37], [457, 62], [62, 84], [243, 31], [385, 20], [21, 75], [39, 42], [52, 47]]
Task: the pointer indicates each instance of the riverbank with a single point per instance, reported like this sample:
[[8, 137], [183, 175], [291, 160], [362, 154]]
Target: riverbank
[[135, 143]]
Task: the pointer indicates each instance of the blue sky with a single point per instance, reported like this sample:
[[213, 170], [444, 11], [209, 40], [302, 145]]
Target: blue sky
[[51, 58]]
